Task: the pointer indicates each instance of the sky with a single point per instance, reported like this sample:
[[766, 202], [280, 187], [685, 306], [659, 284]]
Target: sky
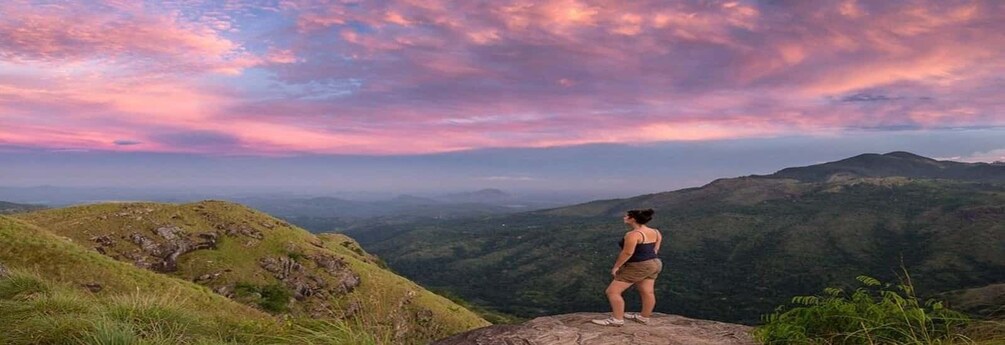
[[420, 95]]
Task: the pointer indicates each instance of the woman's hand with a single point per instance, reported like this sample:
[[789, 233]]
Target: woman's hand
[[614, 271]]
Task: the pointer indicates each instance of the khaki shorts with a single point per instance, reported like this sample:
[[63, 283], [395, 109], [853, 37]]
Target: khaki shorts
[[634, 272]]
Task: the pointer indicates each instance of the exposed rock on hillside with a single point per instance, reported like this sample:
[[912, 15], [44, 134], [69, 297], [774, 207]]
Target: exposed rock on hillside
[[304, 284], [161, 256], [576, 329], [257, 260]]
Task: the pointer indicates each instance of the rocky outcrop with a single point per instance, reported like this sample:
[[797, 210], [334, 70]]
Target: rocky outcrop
[[245, 230], [294, 276], [208, 277], [162, 256], [345, 280], [306, 284], [576, 329], [93, 287], [313, 277]]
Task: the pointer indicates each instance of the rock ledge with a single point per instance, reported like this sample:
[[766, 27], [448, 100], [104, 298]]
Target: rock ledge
[[576, 329]]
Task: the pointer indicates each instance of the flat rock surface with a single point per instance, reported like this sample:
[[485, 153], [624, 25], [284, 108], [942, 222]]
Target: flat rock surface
[[576, 329]]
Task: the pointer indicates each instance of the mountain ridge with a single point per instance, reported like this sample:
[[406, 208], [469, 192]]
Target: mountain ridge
[[10, 207], [897, 163], [735, 248]]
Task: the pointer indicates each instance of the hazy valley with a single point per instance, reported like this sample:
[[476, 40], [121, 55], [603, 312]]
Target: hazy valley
[[735, 248]]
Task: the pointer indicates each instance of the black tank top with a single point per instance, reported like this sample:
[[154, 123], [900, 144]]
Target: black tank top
[[643, 251]]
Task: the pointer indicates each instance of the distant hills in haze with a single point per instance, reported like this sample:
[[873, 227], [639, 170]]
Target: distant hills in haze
[[484, 196], [10, 207], [735, 248], [332, 214], [316, 213], [482, 202]]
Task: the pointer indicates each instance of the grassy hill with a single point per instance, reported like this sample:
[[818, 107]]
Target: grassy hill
[[735, 248], [269, 269], [903, 164], [46, 299], [985, 301]]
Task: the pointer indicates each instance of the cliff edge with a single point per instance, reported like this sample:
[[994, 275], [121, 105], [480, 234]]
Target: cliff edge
[[576, 329]]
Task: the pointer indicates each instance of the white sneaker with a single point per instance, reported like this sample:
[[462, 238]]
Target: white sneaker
[[637, 318], [611, 321]]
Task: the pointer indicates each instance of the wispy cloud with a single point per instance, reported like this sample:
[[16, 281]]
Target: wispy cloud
[[986, 157], [402, 77], [126, 142]]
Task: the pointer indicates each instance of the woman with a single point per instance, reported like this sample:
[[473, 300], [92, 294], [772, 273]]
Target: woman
[[636, 265]]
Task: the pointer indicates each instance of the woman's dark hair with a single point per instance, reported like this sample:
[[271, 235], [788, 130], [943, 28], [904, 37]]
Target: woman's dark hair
[[641, 216]]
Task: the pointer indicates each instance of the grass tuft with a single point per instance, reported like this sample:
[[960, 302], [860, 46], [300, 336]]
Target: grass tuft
[[109, 332], [155, 316], [19, 286]]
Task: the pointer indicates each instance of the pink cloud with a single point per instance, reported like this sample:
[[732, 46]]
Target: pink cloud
[[402, 76], [130, 37]]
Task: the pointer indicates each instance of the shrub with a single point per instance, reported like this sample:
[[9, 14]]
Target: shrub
[[875, 313], [273, 298]]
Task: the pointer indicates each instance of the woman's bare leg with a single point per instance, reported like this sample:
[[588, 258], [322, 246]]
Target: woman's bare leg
[[614, 296], [648, 293]]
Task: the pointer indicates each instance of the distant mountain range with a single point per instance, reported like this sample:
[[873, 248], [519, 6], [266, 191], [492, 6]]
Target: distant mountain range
[[484, 196], [315, 213], [10, 207], [333, 214], [735, 248], [487, 201]]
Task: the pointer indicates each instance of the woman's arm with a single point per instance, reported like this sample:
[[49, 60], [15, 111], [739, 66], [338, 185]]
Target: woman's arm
[[631, 239], [659, 241]]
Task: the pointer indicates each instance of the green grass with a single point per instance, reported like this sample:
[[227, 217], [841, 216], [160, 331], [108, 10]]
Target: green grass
[[389, 308], [63, 315], [39, 311], [273, 298], [58, 259]]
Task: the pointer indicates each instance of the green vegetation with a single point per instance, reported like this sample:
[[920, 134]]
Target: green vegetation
[[38, 311], [489, 315], [273, 298], [62, 249], [873, 314], [904, 164], [733, 249]]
